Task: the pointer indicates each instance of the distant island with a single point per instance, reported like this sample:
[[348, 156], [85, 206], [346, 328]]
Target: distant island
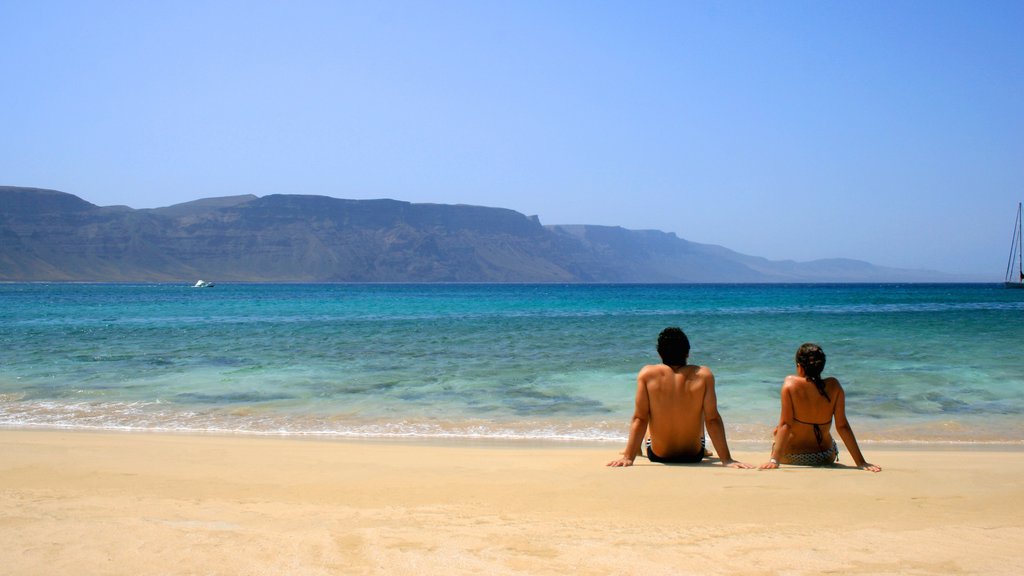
[[47, 235]]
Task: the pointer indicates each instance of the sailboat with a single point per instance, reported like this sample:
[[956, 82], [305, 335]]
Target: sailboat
[[1015, 266]]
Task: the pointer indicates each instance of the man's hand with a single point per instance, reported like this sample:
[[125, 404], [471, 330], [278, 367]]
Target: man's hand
[[620, 463], [736, 464]]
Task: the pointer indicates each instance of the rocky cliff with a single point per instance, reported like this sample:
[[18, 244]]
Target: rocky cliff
[[46, 235]]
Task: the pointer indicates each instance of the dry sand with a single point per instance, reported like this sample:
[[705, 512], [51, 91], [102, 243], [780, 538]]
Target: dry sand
[[110, 503]]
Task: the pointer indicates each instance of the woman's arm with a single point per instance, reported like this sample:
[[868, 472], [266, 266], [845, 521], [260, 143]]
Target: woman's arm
[[845, 432], [781, 435]]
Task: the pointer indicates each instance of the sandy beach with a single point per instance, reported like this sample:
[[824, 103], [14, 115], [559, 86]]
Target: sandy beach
[[141, 503]]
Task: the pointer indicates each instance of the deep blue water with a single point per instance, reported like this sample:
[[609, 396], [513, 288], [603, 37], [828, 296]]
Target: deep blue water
[[919, 362]]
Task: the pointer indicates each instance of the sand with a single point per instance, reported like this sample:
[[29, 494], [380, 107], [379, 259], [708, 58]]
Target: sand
[[138, 503]]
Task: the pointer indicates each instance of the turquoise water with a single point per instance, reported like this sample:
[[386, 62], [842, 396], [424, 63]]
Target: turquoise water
[[930, 363]]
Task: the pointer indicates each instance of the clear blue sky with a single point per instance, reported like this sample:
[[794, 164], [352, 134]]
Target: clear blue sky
[[891, 132]]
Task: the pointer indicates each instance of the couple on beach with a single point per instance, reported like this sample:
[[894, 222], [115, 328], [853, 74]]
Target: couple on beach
[[674, 402]]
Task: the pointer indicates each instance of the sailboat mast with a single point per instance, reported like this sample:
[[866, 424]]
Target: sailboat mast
[[1015, 278], [1020, 256]]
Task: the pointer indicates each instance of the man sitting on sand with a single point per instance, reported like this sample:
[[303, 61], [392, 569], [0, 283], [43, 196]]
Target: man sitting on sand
[[675, 401]]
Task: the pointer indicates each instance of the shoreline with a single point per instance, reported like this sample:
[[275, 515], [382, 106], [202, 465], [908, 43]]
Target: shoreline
[[111, 502], [483, 440]]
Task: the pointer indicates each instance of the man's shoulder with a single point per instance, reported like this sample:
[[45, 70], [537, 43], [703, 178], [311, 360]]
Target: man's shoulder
[[667, 368], [663, 370], [654, 369], [701, 371]]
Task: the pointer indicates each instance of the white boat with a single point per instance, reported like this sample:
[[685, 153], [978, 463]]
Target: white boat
[[1015, 266], [203, 284]]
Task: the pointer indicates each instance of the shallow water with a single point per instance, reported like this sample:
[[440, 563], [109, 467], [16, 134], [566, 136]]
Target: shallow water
[[933, 363]]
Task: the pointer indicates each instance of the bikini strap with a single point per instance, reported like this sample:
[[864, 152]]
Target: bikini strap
[[817, 428]]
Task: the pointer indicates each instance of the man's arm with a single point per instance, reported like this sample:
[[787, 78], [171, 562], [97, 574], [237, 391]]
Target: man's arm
[[715, 425], [638, 426]]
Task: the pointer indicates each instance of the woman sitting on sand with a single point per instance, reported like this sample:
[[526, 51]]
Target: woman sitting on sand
[[809, 403]]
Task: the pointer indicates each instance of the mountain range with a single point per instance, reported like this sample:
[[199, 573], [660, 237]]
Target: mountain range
[[47, 235]]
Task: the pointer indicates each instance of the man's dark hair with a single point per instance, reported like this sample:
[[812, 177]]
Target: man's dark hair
[[673, 346]]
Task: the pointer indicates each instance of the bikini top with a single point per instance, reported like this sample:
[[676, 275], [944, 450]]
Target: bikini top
[[817, 429]]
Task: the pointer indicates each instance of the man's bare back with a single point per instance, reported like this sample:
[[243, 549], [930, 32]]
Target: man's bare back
[[675, 402]]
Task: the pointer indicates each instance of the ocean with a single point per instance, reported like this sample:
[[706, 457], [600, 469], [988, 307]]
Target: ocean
[[920, 363]]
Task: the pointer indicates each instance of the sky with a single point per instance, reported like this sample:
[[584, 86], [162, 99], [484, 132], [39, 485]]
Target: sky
[[891, 132]]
